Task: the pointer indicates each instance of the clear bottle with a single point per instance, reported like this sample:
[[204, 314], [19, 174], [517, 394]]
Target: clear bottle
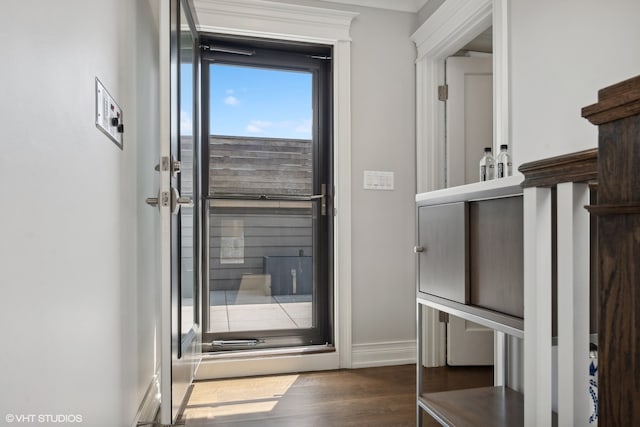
[[503, 162], [487, 165]]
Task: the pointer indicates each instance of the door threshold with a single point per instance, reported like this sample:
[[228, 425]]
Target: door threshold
[[271, 352], [237, 364]]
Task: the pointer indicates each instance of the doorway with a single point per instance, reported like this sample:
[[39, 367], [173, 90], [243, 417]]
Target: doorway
[[452, 26], [468, 129], [267, 183], [468, 108]]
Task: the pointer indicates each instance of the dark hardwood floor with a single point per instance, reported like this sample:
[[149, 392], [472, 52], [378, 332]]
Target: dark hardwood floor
[[376, 397]]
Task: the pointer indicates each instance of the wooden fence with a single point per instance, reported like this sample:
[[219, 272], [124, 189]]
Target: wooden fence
[[243, 232], [260, 166]]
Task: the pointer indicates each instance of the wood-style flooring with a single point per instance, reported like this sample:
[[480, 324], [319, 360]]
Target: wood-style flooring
[[375, 397]]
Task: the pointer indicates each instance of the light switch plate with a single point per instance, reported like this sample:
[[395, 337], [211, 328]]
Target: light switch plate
[[378, 180], [109, 118]]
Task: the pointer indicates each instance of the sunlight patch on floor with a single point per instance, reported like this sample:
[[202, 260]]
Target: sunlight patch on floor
[[243, 396]]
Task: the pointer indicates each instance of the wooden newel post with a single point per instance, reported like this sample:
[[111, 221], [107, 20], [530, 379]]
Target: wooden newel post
[[617, 115]]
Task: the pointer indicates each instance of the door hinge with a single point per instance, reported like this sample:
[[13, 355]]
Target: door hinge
[[443, 317], [443, 92]]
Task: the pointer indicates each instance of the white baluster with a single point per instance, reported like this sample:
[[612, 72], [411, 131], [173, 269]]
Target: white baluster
[[573, 304], [537, 307]]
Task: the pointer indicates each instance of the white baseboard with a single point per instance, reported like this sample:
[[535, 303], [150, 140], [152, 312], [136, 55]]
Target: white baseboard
[[150, 404], [383, 354]]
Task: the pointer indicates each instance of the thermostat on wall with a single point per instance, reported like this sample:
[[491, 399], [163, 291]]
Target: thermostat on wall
[[108, 115], [378, 180]]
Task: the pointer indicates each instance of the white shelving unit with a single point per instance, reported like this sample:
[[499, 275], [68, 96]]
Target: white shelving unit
[[487, 406]]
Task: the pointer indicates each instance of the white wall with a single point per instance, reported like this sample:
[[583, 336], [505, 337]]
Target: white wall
[[383, 130], [561, 54], [76, 327], [383, 138]]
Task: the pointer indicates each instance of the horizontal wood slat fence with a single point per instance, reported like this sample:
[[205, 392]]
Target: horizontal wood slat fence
[[260, 166], [256, 167]]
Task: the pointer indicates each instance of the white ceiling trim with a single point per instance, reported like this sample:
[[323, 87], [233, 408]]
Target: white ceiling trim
[[270, 19], [412, 6]]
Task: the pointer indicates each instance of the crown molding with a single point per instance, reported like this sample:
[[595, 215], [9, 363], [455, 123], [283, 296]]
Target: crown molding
[[412, 6], [268, 18], [448, 22]]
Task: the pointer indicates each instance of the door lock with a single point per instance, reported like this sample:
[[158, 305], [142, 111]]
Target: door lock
[[174, 165]]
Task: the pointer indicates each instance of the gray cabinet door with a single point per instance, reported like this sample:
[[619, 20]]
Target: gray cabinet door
[[496, 255], [443, 267]]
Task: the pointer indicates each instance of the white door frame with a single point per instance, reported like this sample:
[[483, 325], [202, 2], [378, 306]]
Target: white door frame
[[259, 18], [452, 26]]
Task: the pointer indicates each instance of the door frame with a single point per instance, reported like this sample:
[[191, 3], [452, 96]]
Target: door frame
[[290, 22], [275, 59], [452, 26]]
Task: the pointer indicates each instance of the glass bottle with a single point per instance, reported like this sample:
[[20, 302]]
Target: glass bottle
[[503, 162], [487, 165]]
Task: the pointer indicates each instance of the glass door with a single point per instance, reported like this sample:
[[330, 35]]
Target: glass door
[[269, 207], [177, 200]]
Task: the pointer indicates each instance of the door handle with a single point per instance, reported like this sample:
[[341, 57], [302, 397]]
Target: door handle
[[323, 199], [178, 201], [162, 199], [185, 201], [419, 249], [171, 199]]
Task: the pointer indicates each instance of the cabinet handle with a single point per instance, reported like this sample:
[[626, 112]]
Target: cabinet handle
[[418, 249]]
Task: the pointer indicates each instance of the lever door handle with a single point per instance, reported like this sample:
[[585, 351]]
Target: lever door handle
[[160, 200], [323, 199], [185, 201], [177, 201], [419, 249], [172, 199]]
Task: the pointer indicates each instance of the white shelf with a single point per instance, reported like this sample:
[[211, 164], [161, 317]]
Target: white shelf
[[497, 321], [502, 187]]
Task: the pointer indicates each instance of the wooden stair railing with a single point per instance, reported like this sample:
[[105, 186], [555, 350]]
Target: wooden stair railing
[[617, 115]]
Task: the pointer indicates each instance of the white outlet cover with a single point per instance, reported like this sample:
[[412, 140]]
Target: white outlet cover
[[108, 109]]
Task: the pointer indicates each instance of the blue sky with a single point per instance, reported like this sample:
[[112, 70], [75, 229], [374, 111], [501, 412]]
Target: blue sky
[[260, 102], [186, 99]]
